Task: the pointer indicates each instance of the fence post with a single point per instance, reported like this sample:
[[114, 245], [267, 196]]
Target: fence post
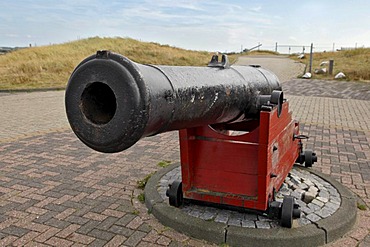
[[331, 66], [311, 55]]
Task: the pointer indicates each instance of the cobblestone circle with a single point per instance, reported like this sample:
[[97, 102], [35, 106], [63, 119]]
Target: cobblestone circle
[[317, 198]]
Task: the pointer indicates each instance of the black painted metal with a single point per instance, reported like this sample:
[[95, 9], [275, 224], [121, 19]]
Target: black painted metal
[[287, 212], [174, 193], [112, 102]]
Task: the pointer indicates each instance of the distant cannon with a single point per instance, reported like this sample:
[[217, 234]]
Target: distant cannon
[[112, 102]]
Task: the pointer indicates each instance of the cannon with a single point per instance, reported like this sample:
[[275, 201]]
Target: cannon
[[112, 102], [236, 113]]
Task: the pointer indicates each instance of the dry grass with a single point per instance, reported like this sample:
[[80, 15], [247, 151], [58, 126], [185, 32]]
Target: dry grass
[[353, 63], [51, 66]]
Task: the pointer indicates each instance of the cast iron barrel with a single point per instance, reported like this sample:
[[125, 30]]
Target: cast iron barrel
[[112, 102]]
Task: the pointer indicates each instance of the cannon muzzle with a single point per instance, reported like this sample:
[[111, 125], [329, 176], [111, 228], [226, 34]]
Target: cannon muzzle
[[112, 102]]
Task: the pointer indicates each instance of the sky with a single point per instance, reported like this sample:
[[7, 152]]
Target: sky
[[191, 24]]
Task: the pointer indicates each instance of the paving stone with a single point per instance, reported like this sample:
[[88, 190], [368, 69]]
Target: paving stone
[[77, 220], [57, 223], [195, 212], [207, 215], [100, 234], [295, 180], [54, 207], [135, 238], [322, 199], [303, 186], [98, 243], [121, 230], [309, 183], [308, 197], [54, 241], [67, 231], [234, 221], [86, 228], [45, 217], [301, 203], [324, 194], [313, 189], [107, 223], [335, 200], [125, 219], [313, 206], [263, 218], [51, 231], [298, 194], [186, 208], [303, 221], [365, 242], [80, 238], [16, 231], [333, 192], [306, 210], [222, 218], [323, 213], [116, 241], [250, 217], [291, 185], [318, 203], [284, 186], [248, 223], [263, 225], [313, 217]]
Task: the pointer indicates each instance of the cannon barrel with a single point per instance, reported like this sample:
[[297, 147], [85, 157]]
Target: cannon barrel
[[112, 102]]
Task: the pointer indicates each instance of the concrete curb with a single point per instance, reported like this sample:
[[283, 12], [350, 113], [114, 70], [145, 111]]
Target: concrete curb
[[319, 233], [305, 236], [345, 217]]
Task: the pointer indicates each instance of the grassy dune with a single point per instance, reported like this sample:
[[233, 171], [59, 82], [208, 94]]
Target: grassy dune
[[355, 64], [51, 66]]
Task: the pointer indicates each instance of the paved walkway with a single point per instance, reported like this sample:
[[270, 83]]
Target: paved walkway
[[24, 114], [54, 191], [283, 67]]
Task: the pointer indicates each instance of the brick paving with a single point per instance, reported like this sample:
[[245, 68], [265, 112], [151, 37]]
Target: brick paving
[[339, 130], [330, 89], [27, 114], [54, 191]]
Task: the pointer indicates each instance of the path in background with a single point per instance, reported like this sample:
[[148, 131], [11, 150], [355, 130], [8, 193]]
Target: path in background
[[282, 66]]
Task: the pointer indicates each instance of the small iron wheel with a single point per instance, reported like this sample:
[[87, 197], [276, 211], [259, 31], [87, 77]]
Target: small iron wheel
[[309, 157], [174, 194], [287, 212]]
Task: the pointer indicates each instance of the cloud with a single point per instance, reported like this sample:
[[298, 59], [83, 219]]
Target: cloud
[[256, 9], [193, 24], [11, 35]]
